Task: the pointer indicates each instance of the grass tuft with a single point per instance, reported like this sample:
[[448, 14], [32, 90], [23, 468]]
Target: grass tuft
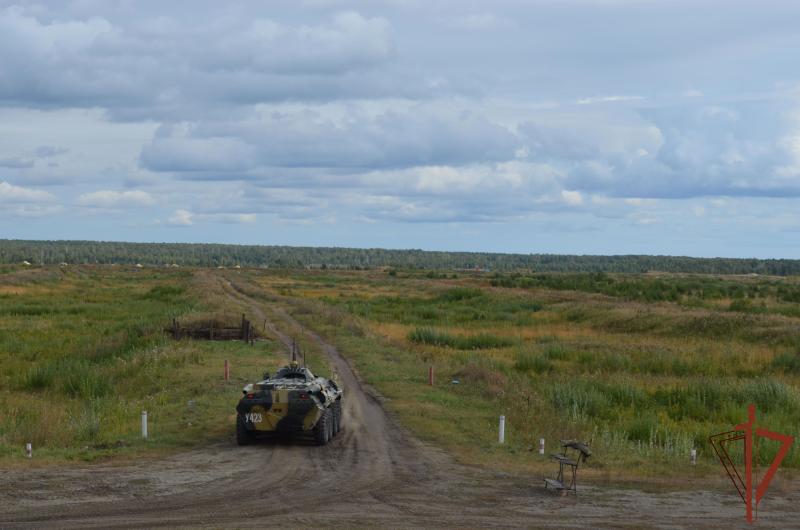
[[528, 361], [480, 341], [787, 362]]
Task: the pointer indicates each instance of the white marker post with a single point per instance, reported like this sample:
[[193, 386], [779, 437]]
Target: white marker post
[[144, 424], [694, 457], [502, 437], [541, 446], [29, 449]]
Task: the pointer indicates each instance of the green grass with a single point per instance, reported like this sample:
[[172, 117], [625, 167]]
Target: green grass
[[645, 381], [83, 352], [529, 361], [744, 292], [787, 362], [480, 341], [454, 306], [644, 378]]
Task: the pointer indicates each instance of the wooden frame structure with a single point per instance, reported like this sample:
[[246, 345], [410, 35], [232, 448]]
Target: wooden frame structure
[[244, 332]]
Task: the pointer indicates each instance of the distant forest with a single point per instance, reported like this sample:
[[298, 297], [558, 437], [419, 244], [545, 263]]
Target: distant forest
[[214, 255]]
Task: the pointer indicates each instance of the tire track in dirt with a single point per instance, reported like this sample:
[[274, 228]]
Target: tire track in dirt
[[372, 474]]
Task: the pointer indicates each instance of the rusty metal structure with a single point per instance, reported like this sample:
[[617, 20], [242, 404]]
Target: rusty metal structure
[[572, 454]]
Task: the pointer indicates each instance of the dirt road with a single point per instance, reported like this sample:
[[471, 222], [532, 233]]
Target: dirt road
[[373, 474]]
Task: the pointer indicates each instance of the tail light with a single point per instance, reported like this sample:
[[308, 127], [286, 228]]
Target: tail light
[[250, 396], [303, 395]]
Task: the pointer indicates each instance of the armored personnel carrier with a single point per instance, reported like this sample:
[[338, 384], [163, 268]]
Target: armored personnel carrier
[[293, 401]]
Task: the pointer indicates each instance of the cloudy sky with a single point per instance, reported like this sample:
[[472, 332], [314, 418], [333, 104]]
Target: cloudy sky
[[565, 126]]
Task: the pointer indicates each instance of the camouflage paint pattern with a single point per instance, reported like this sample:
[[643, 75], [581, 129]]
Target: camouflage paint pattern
[[293, 400]]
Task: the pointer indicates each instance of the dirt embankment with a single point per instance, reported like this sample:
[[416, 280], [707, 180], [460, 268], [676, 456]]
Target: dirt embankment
[[373, 474]]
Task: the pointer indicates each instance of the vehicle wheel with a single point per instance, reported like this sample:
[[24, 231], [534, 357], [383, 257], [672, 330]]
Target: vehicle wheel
[[331, 424], [243, 436], [321, 429], [336, 419], [338, 409]]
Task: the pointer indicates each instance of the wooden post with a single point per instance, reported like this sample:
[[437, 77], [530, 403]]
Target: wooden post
[[430, 376], [227, 370], [243, 335]]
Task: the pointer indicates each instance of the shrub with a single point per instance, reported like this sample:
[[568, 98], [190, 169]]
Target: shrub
[[86, 385], [481, 341], [75, 377], [745, 305], [474, 373], [612, 362], [527, 361], [87, 424], [555, 352], [787, 362], [39, 377], [494, 380], [641, 429], [461, 293], [580, 401], [164, 293], [462, 342], [768, 395], [429, 313]]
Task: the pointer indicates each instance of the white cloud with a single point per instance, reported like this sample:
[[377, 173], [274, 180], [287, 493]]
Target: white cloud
[[116, 199], [403, 112], [229, 218], [791, 147], [423, 135], [181, 218], [17, 194], [573, 198], [187, 218], [161, 66]]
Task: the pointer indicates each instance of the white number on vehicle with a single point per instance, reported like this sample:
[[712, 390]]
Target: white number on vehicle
[[253, 417]]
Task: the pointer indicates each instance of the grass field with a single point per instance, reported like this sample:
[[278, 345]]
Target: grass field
[[644, 367], [645, 380], [83, 352]]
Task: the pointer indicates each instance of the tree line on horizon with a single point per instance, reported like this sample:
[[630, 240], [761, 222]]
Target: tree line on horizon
[[225, 255]]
